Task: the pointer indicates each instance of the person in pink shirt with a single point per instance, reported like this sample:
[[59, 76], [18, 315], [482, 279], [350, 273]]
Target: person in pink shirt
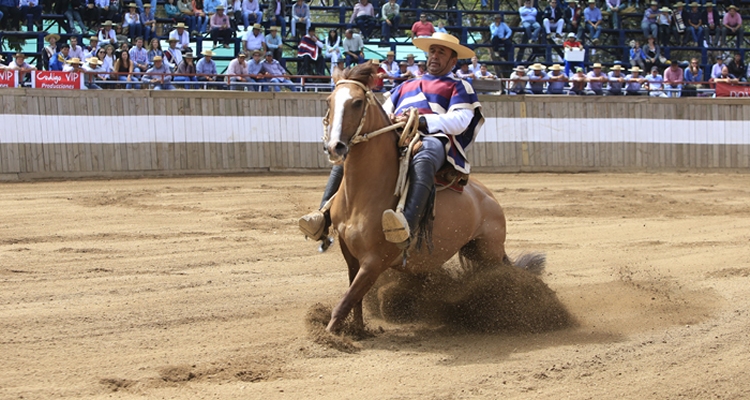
[[422, 28], [363, 15], [221, 28], [673, 78], [732, 26]]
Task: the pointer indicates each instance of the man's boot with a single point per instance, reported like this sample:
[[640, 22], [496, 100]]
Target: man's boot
[[315, 224], [397, 227]]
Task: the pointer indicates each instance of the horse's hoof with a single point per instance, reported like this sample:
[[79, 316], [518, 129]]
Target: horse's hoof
[[395, 227], [325, 244]]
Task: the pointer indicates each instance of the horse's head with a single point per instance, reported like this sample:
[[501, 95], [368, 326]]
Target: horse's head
[[347, 110]]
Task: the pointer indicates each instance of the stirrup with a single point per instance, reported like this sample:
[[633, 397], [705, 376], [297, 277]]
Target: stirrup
[[313, 224], [395, 227]]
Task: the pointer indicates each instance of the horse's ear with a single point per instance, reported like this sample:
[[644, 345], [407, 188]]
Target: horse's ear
[[338, 75]]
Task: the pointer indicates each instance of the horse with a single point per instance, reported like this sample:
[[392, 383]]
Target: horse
[[471, 223]]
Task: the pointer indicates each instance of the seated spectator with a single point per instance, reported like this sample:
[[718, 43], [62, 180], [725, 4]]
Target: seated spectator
[[571, 43], [71, 10], [148, 19], [221, 28], [254, 40], [236, 72], [595, 80], [649, 24], [251, 13], [183, 38], [124, 68], [578, 83], [363, 17], [665, 25], [573, 19], [277, 15], [173, 12], [517, 81], [108, 62], [51, 49], [107, 10], [441, 27], [391, 16], [133, 22], [159, 76], [107, 34], [186, 71], [154, 50], [33, 8], [463, 71], [737, 67], [616, 80], [473, 65], [501, 35], [403, 73], [10, 15], [614, 8], [92, 68], [353, 48], [593, 17], [637, 56], [725, 77], [379, 76], [732, 25], [411, 65], [206, 69], [655, 83], [693, 75], [75, 49], [422, 28], [484, 74], [389, 64], [634, 82], [274, 42], [528, 21], [300, 15], [310, 50], [139, 55], [716, 68], [678, 24], [254, 67], [713, 28], [652, 51], [186, 8], [537, 79], [553, 18], [73, 65], [275, 73], [674, 78], [557, 80], [58, 60], [200, 17], [90, 50], [172, 55], [695, 20]]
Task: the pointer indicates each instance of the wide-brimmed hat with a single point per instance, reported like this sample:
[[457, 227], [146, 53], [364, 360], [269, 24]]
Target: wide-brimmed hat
[[732, 7], [408, 56], [616, 67], [243, 55], [132, 5], [208, 53], [390, 53], [147, 5], [555, 67], [274, 28], [520, 68], [94, 39], [180, 25], [403, 63], [422, 63], [188, 55], [94, 60], [694, 4], [157, 58], [107, 23], [257, 26], [596, 65], [653, 3], [665, 9], [537, 67], [446, 40], [74, 60], [710, 4], [254, 52], [678, 4], [220, 7], [635, 69], [50, 36]]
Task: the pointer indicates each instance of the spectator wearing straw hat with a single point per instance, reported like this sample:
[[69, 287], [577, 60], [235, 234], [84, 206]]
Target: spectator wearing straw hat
[[593, 16], [665, 25], [501, 36], [537, 79], [148, 19], [186, 71], [107, 35], [411, 65], [732, 25], [133, 22], [206, 67], [595, 80], [159, 76], [183, 37], [616, 80], [391, 17], [254, 40], [712, 28], [221, 28], [557, 80], [694, 20], [91, 49], [73, 65], [51, 49], [58, 60], [649, 23], [517, 81], [236, 72], [674, 77], [274, 42], [93, 69], [173, 54], [251, 13], [390, 64]]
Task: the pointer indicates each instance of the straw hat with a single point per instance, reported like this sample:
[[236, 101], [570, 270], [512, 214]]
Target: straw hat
[[132, 5], [173, 39], [50, 36], [678, 4], [665, 9], [157, 58], [147, 5], [616, 67], [555, 67], [243, 55], [596, 65], [256, 26], [520, 68], [94, 60], [220, 7], [208, 53], [403, 63], [94, 39], [180, 25], [592, 1], [694, 4], [390, 53], [274, 28], [258, 52], [74, 60], [444, 39], [732, 7], [537, 67], [635, 69], [710, 4], [107, 23], [653, 3], [408, 56]]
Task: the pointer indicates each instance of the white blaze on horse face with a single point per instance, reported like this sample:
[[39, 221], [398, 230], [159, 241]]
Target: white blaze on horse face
[[342, 96]]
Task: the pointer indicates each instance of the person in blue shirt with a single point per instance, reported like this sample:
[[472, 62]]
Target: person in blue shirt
[[655, 83], [557, 80], [501, 36], [528, 20], [593, 17], [537, 79], [58, 61], [693, 74]]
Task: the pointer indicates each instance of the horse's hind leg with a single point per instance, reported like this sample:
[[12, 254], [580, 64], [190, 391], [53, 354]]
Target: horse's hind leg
[[488, 249]]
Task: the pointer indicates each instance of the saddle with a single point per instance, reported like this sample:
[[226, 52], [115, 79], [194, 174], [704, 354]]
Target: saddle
[[447, 177]]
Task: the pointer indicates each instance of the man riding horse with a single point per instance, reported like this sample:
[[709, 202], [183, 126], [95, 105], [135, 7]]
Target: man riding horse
[[450, 118]]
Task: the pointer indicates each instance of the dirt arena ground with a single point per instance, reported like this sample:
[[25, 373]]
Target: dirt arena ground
[[198, 288]]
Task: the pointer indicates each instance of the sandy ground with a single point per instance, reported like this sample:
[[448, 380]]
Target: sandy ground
[[198, 288]]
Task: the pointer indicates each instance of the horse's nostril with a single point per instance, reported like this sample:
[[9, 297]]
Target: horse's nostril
[[340, 148]]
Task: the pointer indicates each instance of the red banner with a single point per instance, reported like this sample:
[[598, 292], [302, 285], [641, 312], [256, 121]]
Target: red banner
[[729, 90], [8, 78], [57, 80]]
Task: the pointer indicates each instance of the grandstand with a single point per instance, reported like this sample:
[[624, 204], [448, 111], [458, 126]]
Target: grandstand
[[467, 20]]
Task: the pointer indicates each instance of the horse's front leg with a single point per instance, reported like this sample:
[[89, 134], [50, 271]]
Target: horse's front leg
[[353, 266], [366, 276]]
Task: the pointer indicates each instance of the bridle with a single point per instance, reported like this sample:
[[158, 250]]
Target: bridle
[[358, 137]]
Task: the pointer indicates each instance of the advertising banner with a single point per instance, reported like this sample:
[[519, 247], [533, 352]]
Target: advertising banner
[[57, 80], [729, 90], [8, 78]]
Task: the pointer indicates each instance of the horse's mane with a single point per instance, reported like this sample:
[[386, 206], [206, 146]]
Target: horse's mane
[[362, 73]]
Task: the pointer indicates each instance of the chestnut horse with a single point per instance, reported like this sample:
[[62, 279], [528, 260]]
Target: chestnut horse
[[471, 222]]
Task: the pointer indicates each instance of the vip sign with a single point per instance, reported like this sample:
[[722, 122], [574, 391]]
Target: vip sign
[[8, 78], [57, 80], [729, 90]]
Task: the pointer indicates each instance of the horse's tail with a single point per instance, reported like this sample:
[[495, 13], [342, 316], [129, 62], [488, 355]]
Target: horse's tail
[[531, 262]]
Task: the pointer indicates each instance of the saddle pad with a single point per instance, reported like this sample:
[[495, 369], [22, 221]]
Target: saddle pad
[[457, 186]]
